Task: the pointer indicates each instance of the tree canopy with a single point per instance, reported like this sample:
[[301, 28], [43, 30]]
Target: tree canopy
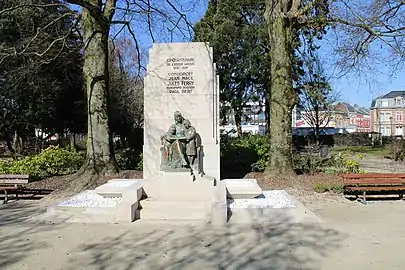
[[40, 91], [236, 30]]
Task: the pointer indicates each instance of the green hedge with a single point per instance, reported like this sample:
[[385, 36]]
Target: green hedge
[[51, 161], [245, 154]]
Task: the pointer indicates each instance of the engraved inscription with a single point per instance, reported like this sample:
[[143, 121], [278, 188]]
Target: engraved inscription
[[180, 63], [180, 81]]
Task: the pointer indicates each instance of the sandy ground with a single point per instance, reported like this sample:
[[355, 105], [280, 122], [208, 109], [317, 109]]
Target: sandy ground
[[350, 236], [379, 165]]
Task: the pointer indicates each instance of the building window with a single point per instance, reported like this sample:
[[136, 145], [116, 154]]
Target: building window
[[398, 102], [399, 116], [388, 131], [398, 131], [385, 131], [384, 103]]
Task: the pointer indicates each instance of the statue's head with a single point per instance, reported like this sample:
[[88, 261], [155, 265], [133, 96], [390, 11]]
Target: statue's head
[[172, 130], [187, 123], [178, 118]]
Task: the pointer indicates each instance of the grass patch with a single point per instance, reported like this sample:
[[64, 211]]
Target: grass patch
[[324, 187], [377, 151]]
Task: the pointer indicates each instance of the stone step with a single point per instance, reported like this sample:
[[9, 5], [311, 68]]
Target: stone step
[[174, 210], [119, 187], [242, 188], [177, 187]]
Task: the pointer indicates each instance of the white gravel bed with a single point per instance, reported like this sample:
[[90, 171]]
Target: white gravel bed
[[268, 199], [118, 184], [90, 198]]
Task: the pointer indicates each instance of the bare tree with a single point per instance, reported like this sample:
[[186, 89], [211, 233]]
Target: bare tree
[[368, 33], [367, 23], [316, 95], [126, 88], [97, 19]]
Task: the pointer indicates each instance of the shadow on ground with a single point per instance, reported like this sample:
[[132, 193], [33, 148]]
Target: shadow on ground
[[280, 245], [19, 242], [26, 194]]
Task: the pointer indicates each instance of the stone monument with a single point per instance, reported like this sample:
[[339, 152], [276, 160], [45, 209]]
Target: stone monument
[[181, 157], [181, 104]]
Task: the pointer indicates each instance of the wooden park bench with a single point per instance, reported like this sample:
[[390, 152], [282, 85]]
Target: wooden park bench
[[374, 182], [12, 182]]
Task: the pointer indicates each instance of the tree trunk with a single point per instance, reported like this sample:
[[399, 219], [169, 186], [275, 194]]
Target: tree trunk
[[283, 97], [267, 113], [17, 144], [238, 122], [100, 158], [9, 138], [317, 125]]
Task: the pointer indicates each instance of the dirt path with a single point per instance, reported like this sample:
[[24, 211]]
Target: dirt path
[[377, 165], [351, 236]]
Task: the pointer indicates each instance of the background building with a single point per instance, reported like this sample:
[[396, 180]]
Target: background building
[[343, 116], [387, 114]]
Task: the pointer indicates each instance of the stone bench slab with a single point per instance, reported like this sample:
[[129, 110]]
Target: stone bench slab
[[242, 188], [119, 187]]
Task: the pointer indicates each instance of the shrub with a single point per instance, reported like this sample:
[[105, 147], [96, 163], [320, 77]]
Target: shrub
[[309, 163], [51, 161], [247, 153], [29, 165], [130, 159], [348, 162], [323, 187], [261, 147], [398, 150], [352, 139], [57, 161]]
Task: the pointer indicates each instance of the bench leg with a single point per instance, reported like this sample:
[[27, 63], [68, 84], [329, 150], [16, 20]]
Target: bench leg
[[5, 196], [364, 197], [401, 195]]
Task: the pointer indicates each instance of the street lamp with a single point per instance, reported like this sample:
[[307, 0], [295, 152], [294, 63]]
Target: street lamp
[[392, 129]]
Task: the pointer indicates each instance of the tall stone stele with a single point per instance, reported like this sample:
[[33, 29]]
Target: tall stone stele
[[181, 104]]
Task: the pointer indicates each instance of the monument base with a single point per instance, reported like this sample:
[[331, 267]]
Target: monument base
[[181, 196]]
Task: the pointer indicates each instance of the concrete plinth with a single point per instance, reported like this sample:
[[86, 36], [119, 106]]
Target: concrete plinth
[[219, 208], [177, 186], [297, 214], [125, 211], [181, 196], [174, 210], [242, 188], [116, 188]]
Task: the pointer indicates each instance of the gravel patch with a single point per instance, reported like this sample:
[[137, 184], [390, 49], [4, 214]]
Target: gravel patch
[[90, 198], [268, 199]]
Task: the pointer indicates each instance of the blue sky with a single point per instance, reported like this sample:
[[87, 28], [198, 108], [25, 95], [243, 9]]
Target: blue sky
[[362, 90], [352, 87]]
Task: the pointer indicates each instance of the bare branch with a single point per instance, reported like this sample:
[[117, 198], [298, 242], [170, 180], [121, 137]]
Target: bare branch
[[6, 10], [150, 22], [40, 30]]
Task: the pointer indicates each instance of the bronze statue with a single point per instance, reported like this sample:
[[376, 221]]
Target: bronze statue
[[174, 145], [191, 146]]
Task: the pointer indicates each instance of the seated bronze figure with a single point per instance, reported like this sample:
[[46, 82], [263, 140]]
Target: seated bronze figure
[[179, 149]]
